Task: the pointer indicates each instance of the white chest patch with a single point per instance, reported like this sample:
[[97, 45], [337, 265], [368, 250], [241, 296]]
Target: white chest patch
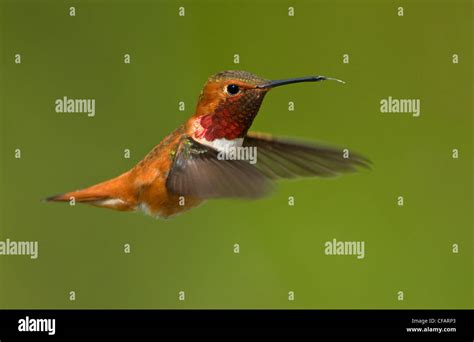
[[217, 144], [222, 144]]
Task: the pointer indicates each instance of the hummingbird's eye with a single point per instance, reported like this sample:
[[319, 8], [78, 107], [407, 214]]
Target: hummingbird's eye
[[232, 89]]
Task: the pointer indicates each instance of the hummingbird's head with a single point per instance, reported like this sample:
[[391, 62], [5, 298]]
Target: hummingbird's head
[[229, 102]]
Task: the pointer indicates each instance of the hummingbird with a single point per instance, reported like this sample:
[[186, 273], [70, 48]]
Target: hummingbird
[[186, 168]]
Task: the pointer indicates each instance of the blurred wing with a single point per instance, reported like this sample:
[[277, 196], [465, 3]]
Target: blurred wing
[[279, 158], [198, 172]]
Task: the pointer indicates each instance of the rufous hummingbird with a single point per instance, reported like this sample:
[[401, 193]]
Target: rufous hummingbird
[[184, 169]]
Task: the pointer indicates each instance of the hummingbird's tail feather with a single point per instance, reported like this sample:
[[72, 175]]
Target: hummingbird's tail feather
[[113, 194]]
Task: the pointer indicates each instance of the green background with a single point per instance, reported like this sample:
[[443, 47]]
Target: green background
[[407, 248]]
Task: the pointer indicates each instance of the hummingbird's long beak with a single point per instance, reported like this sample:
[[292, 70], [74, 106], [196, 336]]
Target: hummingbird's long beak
[[278, 83]]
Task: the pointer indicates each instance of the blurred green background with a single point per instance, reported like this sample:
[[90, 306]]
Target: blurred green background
[[407, 248]]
